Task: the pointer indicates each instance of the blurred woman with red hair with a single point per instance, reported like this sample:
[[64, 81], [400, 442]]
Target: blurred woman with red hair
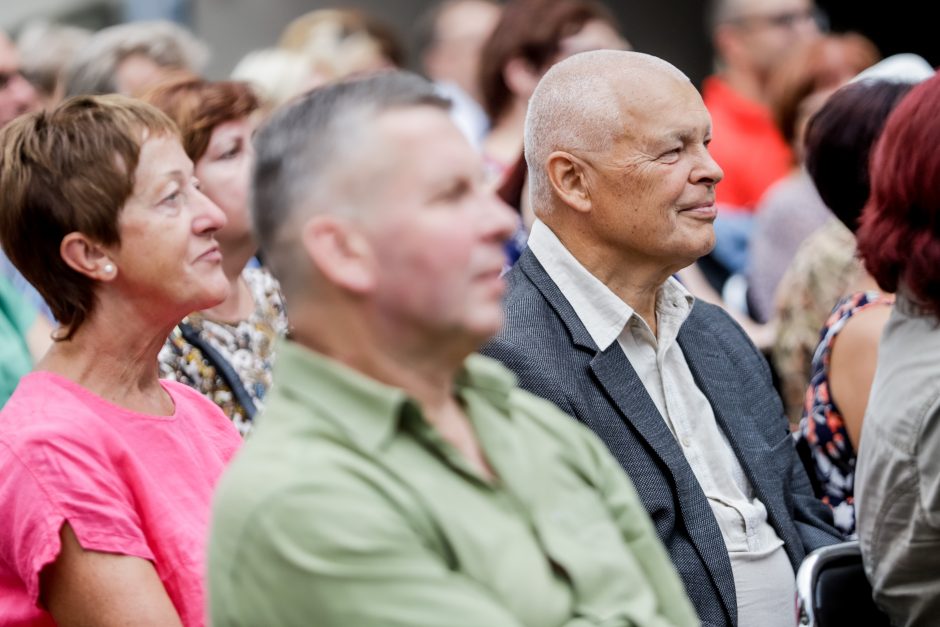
[[898, 472]]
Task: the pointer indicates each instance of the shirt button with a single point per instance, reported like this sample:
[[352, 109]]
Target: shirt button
[[686, 442]]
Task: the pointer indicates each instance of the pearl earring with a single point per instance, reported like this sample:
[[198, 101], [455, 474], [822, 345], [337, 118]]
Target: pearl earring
[[108, 268]]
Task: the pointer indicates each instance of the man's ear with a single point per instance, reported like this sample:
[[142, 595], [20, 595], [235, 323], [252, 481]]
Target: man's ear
[[340, 251], [87, 257], [567, 176]]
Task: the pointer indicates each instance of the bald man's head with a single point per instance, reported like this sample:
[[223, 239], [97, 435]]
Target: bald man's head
[[584, 103]]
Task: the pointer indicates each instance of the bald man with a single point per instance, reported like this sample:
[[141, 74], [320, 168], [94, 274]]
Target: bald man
[[394, 478], [623, 187]]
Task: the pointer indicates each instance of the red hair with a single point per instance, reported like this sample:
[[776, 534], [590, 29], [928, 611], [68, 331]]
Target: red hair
[[899, 236]]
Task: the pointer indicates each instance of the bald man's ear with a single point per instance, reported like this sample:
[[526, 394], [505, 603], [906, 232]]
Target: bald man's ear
[[567, 176], [340, 252]]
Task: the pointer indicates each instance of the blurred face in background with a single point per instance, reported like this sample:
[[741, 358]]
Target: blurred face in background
[[594, 35], [767, 29], [224, 172], [460, 34], [17, 95]]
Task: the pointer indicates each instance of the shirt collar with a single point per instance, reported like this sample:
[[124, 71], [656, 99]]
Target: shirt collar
[[602, 312], [368, 410]]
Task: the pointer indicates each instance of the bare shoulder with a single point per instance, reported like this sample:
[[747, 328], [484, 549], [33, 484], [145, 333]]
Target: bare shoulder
[[862, 332]]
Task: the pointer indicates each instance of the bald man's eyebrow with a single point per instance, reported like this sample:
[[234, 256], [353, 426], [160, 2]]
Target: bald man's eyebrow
[[688, 136]]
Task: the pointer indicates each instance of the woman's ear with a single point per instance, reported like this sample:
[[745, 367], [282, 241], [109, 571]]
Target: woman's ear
[[341, 252], [87, 257], [567, 174]]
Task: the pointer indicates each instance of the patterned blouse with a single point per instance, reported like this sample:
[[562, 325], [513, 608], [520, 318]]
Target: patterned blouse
[[247, 346], [819, 275], [822, 426]]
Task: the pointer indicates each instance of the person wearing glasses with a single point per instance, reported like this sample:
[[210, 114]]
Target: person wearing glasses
[[751, 38]]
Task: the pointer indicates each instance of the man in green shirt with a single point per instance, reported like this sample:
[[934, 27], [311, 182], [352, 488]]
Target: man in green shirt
[[395, 478]]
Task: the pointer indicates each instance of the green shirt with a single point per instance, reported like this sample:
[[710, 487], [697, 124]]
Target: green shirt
[[346, 509], [16, 318]]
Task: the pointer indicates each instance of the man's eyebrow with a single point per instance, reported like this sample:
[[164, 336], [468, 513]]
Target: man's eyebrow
[[687, 135]]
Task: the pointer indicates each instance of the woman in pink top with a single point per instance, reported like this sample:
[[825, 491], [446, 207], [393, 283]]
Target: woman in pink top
[[106, 472]]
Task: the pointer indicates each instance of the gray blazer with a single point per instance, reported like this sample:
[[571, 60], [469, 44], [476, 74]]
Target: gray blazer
[[547, 346]]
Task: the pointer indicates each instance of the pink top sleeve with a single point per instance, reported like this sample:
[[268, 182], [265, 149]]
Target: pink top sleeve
[[127, 483], [76, 486]]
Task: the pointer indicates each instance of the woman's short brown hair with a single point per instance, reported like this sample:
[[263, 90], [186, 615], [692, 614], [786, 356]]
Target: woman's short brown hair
[[198, 106], [65, 170]]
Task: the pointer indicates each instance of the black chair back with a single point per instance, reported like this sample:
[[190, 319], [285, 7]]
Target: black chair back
[[833, 591]]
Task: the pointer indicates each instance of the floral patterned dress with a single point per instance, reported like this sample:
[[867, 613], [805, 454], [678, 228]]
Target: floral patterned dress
[[246, 348], [822, 426]]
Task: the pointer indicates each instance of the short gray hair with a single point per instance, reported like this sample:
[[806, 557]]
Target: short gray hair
[[45, 50], [306, 157], [718, 12], [168, 45], [577, 107]]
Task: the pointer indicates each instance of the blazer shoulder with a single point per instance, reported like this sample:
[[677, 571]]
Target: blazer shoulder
[[711, 321], [718, 322], [527, 310]]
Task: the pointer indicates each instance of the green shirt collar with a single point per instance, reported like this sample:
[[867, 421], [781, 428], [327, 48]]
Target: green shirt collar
[[371, 411]]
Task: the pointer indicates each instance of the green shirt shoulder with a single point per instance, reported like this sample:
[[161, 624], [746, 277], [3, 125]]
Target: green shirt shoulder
[[346, 508]]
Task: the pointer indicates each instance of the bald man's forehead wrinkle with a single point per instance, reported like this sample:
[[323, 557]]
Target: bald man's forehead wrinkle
[[591, 101]]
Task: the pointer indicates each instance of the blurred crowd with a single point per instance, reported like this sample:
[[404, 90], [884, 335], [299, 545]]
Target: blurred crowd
[[544, 334]]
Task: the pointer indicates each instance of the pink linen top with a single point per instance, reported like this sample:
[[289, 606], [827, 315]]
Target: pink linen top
[[127, 483]]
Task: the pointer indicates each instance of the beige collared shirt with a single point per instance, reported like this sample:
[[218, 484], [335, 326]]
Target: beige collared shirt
[[764, 578]]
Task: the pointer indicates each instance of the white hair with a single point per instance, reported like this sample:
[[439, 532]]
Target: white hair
[[93, 70], [277, 75], [45, 49], [577, 106]]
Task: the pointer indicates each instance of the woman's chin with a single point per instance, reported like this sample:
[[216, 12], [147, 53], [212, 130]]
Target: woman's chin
[[217, 297], [211, 296]]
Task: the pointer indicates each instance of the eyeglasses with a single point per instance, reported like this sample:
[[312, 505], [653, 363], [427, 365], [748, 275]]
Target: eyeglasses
[[788, 20]]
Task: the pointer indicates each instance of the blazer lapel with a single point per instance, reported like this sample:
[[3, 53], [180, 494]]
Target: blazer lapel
[[624, 389], [618, 378], [533, 270], [709, 363]]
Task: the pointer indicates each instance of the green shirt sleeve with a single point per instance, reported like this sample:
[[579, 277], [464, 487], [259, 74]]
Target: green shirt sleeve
[[672, 603], [356, 563], [663, 602]]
